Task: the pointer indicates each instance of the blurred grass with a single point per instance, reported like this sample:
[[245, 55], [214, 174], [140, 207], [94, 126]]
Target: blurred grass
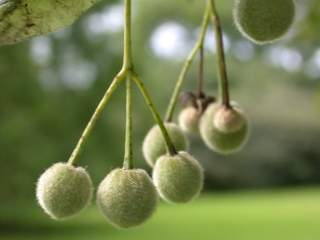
[[278, 214]]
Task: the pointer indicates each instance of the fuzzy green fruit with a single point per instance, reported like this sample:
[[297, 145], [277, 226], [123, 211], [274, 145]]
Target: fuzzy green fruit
[[26, 18], [63, 190], [222, 140], [189, 120], [154, 145], [127, 198], [264, 21], [179, 178]]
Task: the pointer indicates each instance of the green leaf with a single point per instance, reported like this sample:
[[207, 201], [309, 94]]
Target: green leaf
[[22, 19]]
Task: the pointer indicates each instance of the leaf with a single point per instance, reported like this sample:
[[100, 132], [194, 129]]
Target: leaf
[[22, 19]]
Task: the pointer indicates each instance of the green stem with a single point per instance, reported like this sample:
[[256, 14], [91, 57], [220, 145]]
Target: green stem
[[96, 115], [128, 64], [169, 144], [133, 76], [128, 153], [200, 80], [221, 60], [127, 59], [186, 66], [126, 69]]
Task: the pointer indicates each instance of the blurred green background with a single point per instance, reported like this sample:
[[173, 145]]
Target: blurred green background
[[51, 84]]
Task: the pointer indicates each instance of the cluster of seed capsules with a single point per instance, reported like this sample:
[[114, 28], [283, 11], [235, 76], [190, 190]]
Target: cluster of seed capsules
[[128, 197]]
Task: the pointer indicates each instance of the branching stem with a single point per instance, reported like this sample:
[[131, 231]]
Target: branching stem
[[96, 115], [128, 72]]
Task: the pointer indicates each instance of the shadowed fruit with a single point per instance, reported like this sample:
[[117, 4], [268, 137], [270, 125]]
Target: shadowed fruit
[[189, 120], [154, 145]]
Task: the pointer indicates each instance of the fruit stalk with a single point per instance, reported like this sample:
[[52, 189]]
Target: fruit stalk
[[128, 152], [200, 79], [221, 61], [170, 146], [199, 44], [96, 115], [128, 64]]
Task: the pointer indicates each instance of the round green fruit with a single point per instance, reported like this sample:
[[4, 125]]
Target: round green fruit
[[264, 21], [189, 120], [63, 190], [127, 198], [179, 178], [225, 135], [154, 145]]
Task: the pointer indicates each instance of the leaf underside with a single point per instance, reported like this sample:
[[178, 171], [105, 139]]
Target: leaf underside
[[22, 19]]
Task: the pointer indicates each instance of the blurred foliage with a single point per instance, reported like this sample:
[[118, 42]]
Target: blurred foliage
[[286, 215], [42, 115]]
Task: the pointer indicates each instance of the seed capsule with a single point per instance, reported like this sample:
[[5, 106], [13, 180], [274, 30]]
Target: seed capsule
[[224, 130], [64, 190], [178, 179], [264, 21], [154, 145], [189, 120], [127, 198]]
